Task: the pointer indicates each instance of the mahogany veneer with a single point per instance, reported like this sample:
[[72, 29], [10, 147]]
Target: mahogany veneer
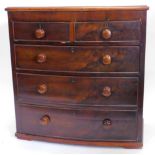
[[78, 74]]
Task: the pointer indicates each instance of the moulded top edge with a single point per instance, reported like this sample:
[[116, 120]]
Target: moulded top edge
[[79, 8]]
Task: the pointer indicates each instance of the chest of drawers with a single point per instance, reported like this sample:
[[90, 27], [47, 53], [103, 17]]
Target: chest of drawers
[[78, 74]]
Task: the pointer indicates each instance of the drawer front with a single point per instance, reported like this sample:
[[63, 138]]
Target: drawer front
[[78, 59], [41, 31], [83, 125], [79, 91], [108, 31]]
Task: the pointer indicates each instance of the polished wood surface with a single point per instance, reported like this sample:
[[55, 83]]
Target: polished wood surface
[[41, 31], [127, 144], [108, 31], [78, 16], [78, 74], [79, 125], [80, 8], [85, 91], [78, 59]]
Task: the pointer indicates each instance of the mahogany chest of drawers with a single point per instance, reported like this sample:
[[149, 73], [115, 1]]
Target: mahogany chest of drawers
[[78, 74]]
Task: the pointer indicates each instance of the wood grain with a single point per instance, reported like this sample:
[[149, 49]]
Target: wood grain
[[78, 59], [82, 80], [80, 125], [78, 90]]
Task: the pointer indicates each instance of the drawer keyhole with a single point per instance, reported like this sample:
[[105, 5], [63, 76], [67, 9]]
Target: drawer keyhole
[[72, 80], [72, 50]]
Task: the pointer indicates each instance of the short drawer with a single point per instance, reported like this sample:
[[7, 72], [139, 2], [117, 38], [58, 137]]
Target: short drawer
[[41, 31], [78, 59], [79, 91], [79, 125], [108, 31]]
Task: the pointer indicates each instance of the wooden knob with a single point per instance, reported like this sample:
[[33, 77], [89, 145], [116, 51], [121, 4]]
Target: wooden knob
[[106, 34], [41, 58], [106, 91], [107, 122], [39, 33], [106, 59], [42, 89], [45, 120]]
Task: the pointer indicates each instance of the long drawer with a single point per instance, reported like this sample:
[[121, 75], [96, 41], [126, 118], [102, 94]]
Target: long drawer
[[82, 125], [82, 91], [78, 59]]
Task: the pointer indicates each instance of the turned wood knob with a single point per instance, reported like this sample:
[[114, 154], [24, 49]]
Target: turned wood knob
[[106, 34], [41, 58], [107, 122], [106, 91], [42, 89], [107, 59], [39, 33], [45, 120]]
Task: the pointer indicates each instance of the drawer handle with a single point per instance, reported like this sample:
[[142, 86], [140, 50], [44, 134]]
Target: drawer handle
[[107, 59], [42, 89], [107, 122], [41, 58], [45, 120], [39, 33], [106, 34], [106, 91]]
